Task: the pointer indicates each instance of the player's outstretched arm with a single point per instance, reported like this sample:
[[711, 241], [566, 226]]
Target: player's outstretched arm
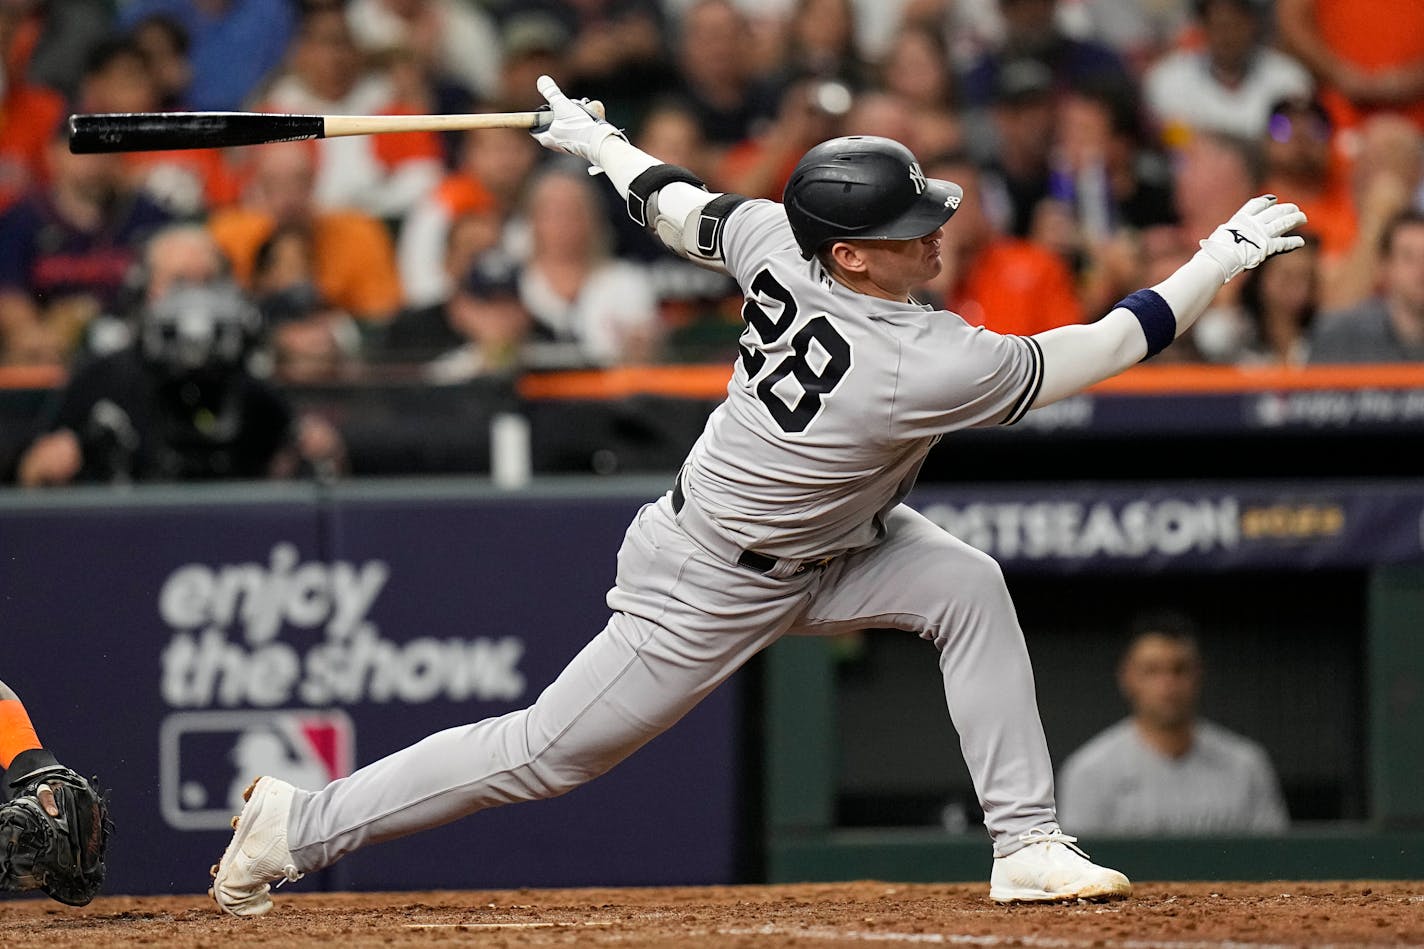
[[671, 202], [1145, 322]]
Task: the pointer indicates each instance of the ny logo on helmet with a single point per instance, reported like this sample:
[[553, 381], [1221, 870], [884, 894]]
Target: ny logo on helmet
[[917, 177]]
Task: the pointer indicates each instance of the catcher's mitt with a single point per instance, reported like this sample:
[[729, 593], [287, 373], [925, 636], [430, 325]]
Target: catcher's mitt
[[64, 855]]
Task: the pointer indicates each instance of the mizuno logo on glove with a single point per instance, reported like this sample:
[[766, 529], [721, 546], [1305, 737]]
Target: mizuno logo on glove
[[1242, 238]]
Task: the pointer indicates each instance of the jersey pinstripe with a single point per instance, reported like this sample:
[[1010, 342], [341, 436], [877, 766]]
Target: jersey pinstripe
[[836, 399]]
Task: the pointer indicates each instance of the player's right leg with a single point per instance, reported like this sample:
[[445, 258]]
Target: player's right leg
[[924, 580], [683, 622]]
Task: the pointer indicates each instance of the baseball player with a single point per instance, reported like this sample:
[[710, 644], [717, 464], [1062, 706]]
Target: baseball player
[[54, 825], [786, 516]]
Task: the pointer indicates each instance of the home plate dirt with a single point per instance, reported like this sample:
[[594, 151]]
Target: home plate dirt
[[842, 915]]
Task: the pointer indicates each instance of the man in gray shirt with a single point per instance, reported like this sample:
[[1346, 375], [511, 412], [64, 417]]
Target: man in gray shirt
[[1390, 327], [1163, 770]]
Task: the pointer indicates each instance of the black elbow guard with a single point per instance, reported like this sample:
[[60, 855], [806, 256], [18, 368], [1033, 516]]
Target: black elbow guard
[[710, 221], [642, 188]]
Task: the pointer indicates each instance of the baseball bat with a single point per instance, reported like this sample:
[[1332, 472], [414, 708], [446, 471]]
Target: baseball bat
[[162, 131]]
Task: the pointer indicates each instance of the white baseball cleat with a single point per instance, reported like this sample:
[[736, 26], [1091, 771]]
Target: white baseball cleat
[[1048, 869], [258, 854]]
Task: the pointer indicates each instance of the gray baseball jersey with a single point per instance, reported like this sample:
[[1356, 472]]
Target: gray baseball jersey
[[785, 520], [1224, 784], [836, 399]]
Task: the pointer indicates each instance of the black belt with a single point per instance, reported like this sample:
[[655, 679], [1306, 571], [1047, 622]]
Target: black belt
[[750, 559]]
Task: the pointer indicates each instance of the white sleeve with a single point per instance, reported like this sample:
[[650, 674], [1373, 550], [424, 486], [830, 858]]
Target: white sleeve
[[673, 212], [1076, 357]]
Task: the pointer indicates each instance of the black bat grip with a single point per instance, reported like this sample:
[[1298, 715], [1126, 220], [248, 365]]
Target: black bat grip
[[163, 131]]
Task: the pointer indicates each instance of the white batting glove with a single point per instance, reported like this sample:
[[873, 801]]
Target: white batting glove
[[573, 127], [1254, 233]]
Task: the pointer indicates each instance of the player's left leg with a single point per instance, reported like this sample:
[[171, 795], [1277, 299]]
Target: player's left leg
[[684, 621], [923, 580]]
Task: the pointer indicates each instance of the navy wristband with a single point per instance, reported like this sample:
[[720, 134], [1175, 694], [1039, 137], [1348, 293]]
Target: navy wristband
[[1158, 322]]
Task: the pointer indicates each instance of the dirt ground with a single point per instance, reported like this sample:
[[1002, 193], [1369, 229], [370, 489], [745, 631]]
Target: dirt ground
[[1174, 915]]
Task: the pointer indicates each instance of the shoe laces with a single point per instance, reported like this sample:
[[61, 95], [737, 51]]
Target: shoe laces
[[1040, 836], [290, 874]]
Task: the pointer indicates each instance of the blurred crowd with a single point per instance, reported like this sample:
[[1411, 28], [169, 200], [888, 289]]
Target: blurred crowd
[[1097, 141]]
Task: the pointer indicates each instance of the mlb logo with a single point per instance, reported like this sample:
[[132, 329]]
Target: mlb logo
[[207, 759]]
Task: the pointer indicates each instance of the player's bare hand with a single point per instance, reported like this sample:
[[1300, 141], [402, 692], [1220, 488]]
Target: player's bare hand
[[53, 459], [1254, 233], [45, 795], [573, 127]]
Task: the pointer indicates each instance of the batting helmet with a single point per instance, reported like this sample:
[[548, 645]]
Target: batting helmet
[[863, 187]]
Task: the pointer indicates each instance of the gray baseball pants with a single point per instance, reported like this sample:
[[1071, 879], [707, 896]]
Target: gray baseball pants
[[684, 620]]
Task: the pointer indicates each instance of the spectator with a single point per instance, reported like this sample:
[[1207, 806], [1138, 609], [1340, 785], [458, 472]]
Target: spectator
[[1280, 300], [917, 69], [534, 45], [451, 40], [916, 73], [166, 47], [490, 323], [1387, 179], [177, 255], [119, 78], [1367, 57], [1105, 189], [489, 181], [699, 307], [1230, 83], [355, 266], [890, 116], [64, 251], [62, 36], [1019, 168], [821, 43], [1006, 284], [1271, 324], [178, 403], [715, 70], [309, 339], [575, 291], [1299, 162], [383, 175], [615, 52], [1389, 327], [31, 111], [1032, 32], [422, 332], [810, 112], [1164, 770], [260, 29], [116, 78], [1140, 32], [1210, 172]]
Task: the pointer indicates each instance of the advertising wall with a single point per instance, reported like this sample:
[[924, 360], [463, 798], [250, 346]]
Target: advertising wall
[[177, 648], [178, 642]]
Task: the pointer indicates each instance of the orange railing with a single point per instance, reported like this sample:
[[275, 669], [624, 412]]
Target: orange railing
[[710, 381]]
